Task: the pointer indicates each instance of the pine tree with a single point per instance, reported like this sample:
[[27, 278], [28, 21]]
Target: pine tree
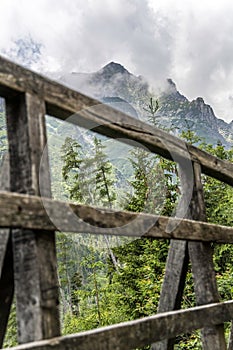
[[148, 187], [105, 193], [152, 108], [72, 157]]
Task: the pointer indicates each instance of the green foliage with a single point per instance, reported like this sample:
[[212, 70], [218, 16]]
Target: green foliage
[[218, 195], [140, 278], [132, 290], [11, 334], [89, 177], [170, 172], [190, 136], [219, 209], [74, 174], [69, 255], [105, 193], [152, 108], [147, 185], [189, 342]]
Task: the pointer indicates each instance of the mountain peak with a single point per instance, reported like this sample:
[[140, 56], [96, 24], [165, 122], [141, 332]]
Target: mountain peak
[[200, 100], [171, 83], [171, 87], [114, 68]]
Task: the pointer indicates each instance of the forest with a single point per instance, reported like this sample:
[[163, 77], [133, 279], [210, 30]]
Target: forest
[[103, 279]]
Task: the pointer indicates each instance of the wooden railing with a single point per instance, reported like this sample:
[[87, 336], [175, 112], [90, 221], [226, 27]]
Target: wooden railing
[[27, 250]]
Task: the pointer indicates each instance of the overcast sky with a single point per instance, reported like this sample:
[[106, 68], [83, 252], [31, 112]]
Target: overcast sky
[[188, 41]]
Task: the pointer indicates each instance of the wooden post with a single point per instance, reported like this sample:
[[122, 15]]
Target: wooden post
[[203, 268], [35, 268], [6, 262]]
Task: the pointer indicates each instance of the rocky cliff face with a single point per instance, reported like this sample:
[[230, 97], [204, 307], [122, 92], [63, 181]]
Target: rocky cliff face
[[112, 81], [175, 111]]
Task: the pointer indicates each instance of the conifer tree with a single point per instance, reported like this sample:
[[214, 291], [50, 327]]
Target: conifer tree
[[152, 108], [105, 193], [72, 157]]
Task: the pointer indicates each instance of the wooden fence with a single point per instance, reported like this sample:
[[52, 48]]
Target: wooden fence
[[27, 217]]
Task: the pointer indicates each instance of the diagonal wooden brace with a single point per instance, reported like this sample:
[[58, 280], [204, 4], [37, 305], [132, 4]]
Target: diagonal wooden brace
[[176, 265], [202, 266], [201, 256]]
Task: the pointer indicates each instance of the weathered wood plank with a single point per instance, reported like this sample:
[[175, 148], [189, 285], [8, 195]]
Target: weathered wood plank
[[63, 102], [173, 285], [174, 282], [6, 261], [134, 334], [35, 273], [36, 213], [201, 256], [177, 260]]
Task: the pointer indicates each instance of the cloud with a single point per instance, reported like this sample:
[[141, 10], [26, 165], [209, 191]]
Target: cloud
[[84, 35], [191, 42], [203, 53]]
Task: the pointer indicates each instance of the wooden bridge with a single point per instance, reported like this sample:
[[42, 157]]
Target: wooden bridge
[[27, 216]]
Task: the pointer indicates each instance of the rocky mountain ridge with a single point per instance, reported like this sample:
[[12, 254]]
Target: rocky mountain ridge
[[115, 85], [175, 111]]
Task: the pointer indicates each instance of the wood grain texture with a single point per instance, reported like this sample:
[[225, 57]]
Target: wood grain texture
[[177, 261], [202, 263], [63, 102], [173, 285], [36, 213], [134, 334], [35, 272], [201, 256], [6, 261]]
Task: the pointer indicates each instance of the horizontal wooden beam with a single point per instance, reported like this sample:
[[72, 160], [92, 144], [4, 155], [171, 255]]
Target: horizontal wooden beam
[[134, 334], [32, 212], [63, 102]]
